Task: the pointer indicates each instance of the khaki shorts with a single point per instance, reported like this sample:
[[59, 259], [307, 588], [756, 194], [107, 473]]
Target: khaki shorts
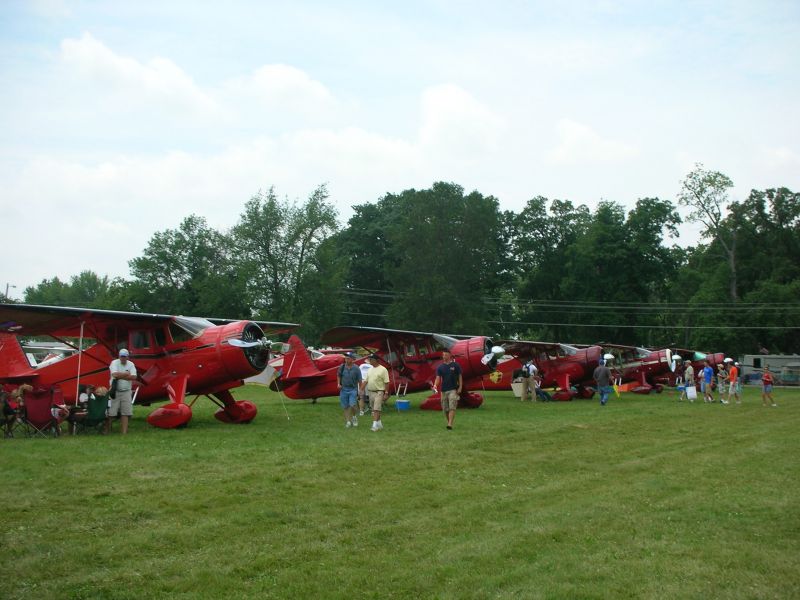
[[376, 400], [449, 400], [121, 405]]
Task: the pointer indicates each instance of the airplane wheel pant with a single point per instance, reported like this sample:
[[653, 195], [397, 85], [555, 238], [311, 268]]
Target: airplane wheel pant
[[242, 411], [170, 416]]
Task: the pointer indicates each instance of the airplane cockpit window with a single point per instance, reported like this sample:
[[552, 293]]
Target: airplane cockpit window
[[161, 337], [41, 352], [194, 325], [140, 339], [411, 350], [183, 329]]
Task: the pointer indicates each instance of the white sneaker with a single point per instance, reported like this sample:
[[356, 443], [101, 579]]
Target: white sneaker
[[355, 421], [724, 401], [375, 427], [773, 404], [361, 413], [348, 425]]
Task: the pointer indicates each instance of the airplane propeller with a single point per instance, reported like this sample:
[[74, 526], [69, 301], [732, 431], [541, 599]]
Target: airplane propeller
[[243, 344], [497, 352]]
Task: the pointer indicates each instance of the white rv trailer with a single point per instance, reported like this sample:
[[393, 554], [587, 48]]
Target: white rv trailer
[[752, 364]]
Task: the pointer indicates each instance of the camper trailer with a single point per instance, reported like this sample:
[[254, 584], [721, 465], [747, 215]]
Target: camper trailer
[[752, 364]]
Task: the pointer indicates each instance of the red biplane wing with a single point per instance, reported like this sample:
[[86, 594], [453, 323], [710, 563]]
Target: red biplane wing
[[65, 321], [380, 338], [524, 350]]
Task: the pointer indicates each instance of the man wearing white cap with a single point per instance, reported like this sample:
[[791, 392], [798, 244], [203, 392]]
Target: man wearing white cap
[[123, 372], [733, 381]]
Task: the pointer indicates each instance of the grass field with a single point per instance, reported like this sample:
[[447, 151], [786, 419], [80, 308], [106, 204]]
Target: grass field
[[643, 498]]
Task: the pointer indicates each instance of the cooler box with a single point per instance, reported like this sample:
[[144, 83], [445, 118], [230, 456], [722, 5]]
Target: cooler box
[[516, 387], [402, 404]]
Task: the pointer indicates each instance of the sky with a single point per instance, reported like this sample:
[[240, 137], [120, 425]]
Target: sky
[[119, 119]]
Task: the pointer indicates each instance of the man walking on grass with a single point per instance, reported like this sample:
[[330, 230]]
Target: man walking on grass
[[705, 381], [448, 376], [733, 381], [348, 377], [377, 386], [602, 375]]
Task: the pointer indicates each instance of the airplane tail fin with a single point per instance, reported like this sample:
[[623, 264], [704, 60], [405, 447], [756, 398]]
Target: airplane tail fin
[[297, 361], [12, 359]]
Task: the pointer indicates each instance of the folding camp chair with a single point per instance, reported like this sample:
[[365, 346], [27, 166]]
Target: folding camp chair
[[38, 416], [95, 416], [11, 415]]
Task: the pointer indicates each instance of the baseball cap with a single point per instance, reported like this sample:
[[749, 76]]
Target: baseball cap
[[124, 352]]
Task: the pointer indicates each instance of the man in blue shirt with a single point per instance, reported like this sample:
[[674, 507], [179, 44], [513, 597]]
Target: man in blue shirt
[[708, 377], [448, 374], [348, 376]]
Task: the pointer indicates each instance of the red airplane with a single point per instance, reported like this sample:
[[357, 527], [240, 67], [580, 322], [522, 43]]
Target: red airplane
[[566, 367], [174, 356], [697, 359], [651, 370], [640, 366], [411, 357]]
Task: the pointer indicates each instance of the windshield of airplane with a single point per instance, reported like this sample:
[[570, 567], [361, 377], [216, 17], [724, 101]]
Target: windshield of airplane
[[192, 325], [45, 350]]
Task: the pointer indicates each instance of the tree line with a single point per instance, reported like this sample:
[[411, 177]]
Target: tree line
[[444, 260]]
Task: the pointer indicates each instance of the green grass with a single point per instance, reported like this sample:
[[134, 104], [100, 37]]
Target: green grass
[[644, 498]]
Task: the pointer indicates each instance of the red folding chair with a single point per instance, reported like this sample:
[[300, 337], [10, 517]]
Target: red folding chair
[[38, 416]]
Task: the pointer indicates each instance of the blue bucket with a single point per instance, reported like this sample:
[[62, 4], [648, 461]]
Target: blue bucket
[[402, 404]]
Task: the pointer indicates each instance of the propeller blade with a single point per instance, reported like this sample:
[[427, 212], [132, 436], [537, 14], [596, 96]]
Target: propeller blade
[[243, 344]]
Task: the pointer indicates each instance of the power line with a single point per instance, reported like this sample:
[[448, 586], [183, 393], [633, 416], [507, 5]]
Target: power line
[[718, 327]]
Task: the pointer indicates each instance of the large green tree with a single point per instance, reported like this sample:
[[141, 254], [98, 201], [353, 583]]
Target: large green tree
[[276, 241], [85, 289], [189, 270], [447, 256], [705, 192]]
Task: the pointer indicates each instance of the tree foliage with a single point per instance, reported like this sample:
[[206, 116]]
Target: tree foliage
[[441, 259]]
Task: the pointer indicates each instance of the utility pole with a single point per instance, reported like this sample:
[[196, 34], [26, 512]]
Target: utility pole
[[8, 285]]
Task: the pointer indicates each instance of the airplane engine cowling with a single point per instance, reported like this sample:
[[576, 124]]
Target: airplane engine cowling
[[476, 349], [242, 362]]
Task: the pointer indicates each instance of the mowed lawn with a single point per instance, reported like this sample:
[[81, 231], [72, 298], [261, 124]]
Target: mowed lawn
[[643, 498]]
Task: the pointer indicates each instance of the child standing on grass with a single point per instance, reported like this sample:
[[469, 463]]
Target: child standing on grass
[[766, 387]]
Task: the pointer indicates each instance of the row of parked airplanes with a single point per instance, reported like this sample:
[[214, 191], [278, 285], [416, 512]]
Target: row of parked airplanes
[[180, 359]]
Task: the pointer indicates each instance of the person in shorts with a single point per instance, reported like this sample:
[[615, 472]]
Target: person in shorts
[[377, 386], [123, 371], [706, 379], [688, 381], [766, 386], [348, 378], [449, 381], [733, 381]]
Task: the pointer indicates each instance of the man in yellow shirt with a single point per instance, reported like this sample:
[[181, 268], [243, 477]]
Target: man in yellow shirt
[[377, 388]]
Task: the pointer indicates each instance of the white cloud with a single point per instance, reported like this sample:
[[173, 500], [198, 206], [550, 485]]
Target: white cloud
[[159, 84], [580, 144], [456, 124], [283, 86]]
